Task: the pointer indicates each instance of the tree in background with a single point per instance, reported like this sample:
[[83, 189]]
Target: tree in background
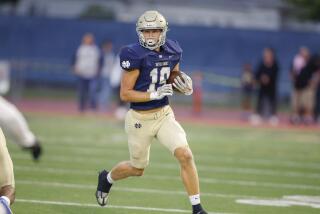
[[306, 9]]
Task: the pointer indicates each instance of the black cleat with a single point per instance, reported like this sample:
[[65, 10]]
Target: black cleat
[[103, 188], [36, 151], [200, 212], [197, 209]]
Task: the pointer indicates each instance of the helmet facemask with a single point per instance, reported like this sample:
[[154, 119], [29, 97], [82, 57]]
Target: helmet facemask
[[151, 20]]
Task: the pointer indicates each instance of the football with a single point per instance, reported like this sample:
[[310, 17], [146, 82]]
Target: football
[[173, 75]]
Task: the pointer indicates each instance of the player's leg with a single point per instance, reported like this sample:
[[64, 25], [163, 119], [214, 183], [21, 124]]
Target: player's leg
[[15, 124], [295, 103], [93, 93], [82, 94], [308, 99], [105, 97], [272, 100], [139, 140], [172, 136], [7, 190]]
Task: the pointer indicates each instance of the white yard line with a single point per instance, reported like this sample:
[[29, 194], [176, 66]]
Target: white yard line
[[244, 170], [245, 183], [200, 167], [76, 204], [119, 141], [202, 179], [124, 189]]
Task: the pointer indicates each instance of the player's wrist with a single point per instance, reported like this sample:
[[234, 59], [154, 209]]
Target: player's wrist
[[153, 95]]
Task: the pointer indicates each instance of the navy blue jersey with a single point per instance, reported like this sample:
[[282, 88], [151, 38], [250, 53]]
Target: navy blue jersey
[[155, 68]]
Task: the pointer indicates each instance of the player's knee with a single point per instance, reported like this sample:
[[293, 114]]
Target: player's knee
[[184, 155]]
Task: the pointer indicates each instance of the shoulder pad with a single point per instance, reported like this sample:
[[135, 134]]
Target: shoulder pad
[[173, 47]]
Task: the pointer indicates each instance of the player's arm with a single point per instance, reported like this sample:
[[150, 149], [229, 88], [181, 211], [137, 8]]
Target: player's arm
[[128, 94], [176, 68]]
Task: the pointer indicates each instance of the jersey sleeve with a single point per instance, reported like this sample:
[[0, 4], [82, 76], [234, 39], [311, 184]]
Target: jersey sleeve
[[175, 48], [129, 59]]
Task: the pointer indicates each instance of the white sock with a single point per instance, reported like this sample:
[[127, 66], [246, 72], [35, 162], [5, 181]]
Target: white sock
[[194, 199], [6, 199], [110, 180]]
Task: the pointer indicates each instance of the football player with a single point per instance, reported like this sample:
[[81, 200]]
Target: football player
[[13, 123], [7, 190], [147, 66]]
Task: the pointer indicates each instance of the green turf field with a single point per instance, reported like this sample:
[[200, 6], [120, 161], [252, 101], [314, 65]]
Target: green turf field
[[234, 164]]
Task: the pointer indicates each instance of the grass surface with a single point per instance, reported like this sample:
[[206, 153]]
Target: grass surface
[[233, 163]]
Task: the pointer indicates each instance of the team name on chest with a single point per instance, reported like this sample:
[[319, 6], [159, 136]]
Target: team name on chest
[[160, 64]]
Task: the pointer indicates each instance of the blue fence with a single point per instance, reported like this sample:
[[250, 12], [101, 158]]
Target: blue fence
[[52, 43]]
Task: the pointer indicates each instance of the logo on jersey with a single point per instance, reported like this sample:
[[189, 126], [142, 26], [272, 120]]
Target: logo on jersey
[[125, 64], [137, 125]]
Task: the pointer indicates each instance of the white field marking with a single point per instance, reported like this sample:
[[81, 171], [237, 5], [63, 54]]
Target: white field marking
[[81, 151], [99, 152], [86, 141], [202, 179], [75, 204], [244, 170], [127, 189], [285, 201], [261, 162], [121, 139], [243, 183], [200, 167]]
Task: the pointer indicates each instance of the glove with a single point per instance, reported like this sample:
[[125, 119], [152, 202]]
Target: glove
[[165, 90], [5, 205], [184, 85]]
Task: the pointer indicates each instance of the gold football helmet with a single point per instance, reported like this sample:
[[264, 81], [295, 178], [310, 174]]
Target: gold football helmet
[[150, 20]]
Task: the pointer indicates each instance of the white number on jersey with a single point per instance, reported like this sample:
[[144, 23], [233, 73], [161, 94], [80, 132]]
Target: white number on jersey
[[164, 75]]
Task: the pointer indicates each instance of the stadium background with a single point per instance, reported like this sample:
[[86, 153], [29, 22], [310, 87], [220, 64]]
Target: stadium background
[[236, 161]]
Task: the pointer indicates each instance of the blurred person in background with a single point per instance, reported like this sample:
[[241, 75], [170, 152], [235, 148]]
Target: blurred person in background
[[266, 77], [115, 79], [317, 88], [247, 84], [12, 121], [302, 99], [7, 186], [86, 67], [108, 59]]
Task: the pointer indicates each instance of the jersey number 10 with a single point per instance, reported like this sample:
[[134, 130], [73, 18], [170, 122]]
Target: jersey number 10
[[164, 75]]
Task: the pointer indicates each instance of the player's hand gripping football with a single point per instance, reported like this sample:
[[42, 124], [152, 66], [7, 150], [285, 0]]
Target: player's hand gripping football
[[165, 90], [184, 84]]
